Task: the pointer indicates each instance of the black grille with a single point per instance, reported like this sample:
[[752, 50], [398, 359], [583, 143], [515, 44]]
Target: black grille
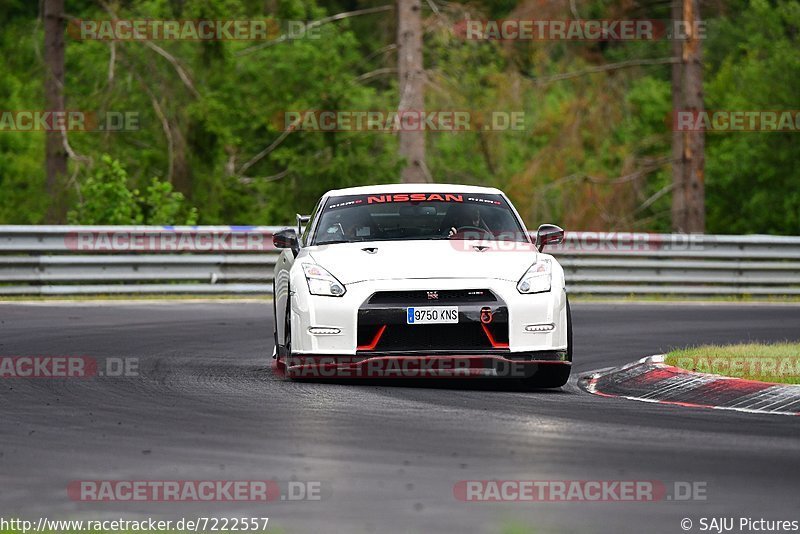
[[433, 337], [420, 297], [404, 337]]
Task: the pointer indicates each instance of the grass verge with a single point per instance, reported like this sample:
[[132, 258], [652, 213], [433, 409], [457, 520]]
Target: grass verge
[[778, 362]]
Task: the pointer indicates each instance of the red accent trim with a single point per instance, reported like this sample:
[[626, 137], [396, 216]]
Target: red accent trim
[[279, 368], [489, 335], [375, 340]]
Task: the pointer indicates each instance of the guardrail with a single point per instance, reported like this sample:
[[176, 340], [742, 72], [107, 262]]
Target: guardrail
[[73, 260]]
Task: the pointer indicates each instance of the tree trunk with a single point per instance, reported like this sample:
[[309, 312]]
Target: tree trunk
[[693, 141], [678, 197], [55, 153], [412, 94], [688, 147]]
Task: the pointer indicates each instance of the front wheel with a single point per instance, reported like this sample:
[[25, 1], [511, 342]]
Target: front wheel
[[551, 376], [556, 375], [275, 322], [287, 335]]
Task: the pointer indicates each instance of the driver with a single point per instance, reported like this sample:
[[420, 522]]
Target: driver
[[352, 224], [469, 217], [359, 227]]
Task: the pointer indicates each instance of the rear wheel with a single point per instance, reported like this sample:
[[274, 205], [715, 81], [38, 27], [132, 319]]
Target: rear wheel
[[556, 375]]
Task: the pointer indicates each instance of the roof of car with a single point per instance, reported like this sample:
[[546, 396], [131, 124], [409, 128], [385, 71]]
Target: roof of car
[[413, 188]]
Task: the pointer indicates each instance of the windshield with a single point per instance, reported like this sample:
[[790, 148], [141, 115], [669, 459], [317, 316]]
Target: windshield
[[417, 216]]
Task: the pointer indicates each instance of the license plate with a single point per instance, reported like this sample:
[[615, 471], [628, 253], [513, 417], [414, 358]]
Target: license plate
[[428, 315]]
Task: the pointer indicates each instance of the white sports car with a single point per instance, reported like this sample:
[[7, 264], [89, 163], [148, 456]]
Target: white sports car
[[420, 280]]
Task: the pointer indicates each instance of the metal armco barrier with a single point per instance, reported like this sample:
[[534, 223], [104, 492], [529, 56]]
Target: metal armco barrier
[[75, 260]]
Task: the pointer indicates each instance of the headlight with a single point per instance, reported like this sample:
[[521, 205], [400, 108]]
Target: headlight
[[537, 278], [321, 282]]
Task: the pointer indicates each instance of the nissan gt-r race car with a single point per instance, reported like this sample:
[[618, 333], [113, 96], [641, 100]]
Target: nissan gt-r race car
[[412, 281]]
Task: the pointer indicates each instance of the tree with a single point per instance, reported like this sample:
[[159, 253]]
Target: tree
[[688, 208], [412, 89], [678, 196], [55, 153]]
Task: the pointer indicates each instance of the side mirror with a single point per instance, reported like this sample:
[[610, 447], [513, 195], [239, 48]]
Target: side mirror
[[548, 234], [301, 220], [286, 239]]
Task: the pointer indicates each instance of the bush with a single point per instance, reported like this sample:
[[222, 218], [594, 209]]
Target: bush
[[107, 199]]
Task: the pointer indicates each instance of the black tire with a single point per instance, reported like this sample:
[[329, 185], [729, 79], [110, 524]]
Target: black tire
[[283, 352], [556, 375], [287, 347], [275, 321], [287, 335], [569, 332], [551, 376]]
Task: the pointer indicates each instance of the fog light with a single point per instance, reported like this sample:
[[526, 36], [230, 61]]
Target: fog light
[[323, 331], [337, 291], [539, 327]]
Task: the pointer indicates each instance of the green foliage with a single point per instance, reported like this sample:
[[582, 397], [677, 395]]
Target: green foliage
[[107, 199], [753, 178], [22, 179], [161, 205], [593, 154]]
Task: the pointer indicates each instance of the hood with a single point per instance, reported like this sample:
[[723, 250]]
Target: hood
[[385, 260]]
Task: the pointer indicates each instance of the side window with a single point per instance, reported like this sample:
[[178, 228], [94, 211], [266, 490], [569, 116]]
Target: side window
[[307, 230]]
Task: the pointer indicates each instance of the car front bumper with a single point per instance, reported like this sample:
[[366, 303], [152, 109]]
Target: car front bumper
[[344, 315]]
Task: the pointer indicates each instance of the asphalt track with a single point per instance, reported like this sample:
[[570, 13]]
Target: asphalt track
[[207, 406]]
